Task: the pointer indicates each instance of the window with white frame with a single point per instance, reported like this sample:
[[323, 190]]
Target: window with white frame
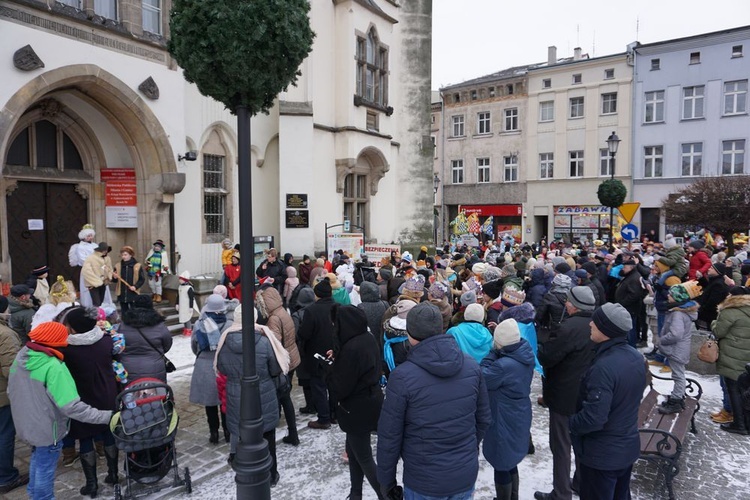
[[654, 107], [609, 103], [510, 167], [372, 69], [483, 123], [547, 111], [576, 163], [511, 119], [692, 102], [215, 195], [483, 170], [577, 78], [737, 51], [606, 167], [655, 64], [546, 165], [106, 8], [457, 171], [609, 73], [576, 107], [733, 157], [458, 125], [151, 14], [653, 161], [692, 159], [356, 198], [695, 58], [735, 97]]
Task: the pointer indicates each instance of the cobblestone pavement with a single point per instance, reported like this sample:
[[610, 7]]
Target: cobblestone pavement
[[714, 464]]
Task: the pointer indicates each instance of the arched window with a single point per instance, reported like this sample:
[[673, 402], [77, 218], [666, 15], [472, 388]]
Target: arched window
[[43, 145]]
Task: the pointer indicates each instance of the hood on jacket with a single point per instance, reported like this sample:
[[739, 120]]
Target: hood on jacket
[[475, 334], [734, 301], [521, 352], [522, 314], [271, 298], [138, 317], [438, 355], [305, 298], [233, 342], [690, 308], [369, 292], [348, 322], [537, 277], [15, 304], [291, 272]]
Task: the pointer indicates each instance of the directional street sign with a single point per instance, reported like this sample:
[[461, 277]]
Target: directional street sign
[[628, 210], [629, 232]]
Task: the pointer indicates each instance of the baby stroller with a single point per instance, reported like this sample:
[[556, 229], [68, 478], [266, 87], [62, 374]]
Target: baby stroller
[[145, 428]]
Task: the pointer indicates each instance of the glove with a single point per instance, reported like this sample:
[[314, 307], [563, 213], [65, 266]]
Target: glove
[[396, 492]]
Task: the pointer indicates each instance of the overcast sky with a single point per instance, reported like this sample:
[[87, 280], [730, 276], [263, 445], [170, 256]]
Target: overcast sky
[[472, 38]]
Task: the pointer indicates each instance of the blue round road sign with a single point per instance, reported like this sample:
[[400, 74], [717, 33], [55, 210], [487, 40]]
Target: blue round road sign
[[629, 232]]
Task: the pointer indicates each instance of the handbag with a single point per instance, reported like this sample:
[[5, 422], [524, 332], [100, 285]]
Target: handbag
[[709, 351], [283, 385], [169, 367]]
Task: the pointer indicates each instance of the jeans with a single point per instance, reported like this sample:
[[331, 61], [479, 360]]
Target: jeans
[[726, 401], [605, 484], [321, 399], [8, 473], [361, 463], [413, 495], [42, 471], [633, 333]]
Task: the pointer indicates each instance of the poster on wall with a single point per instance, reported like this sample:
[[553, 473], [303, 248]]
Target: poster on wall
[[376, 253], [505, 231], [351, 243]]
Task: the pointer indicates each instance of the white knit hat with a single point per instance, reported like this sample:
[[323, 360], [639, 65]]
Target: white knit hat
[[506, 333], [474, 312]]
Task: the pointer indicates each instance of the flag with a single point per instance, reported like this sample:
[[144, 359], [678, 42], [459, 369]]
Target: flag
[[473, 223], [460, 225], [487, 226]]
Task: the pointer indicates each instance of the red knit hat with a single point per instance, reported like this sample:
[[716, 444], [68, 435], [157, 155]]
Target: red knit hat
[[51, 334]]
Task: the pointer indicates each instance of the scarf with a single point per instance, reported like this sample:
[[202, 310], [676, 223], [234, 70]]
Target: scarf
[[87, 338]]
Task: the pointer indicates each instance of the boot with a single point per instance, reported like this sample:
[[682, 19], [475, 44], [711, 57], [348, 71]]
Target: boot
[[671, 405], [157, 298], [532, 450], [213, 437], [504, 491], [112, 459], [70, 456], [514, 486], [739, 424], [722, 417], [187, 332], [99, 447], [88, 464], [292, 438]]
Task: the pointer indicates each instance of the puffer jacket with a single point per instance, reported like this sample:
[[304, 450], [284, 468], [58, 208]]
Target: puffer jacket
[[714, 292], [10, 344], [674, 259], [21, 316], [674, 341], [508, 373], [139, 358], [537, 288], [552, 310], [732, 328], [699, 261], [524, 315], [374, 309], [281, 324], [229, 362], [437, 401], [630, 292], [44, 398], [473, 339]]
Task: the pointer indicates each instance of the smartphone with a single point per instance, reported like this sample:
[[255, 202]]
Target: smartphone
[[319, 356]]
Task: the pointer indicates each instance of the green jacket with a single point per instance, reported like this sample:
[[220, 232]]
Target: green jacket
[[732, 328], [44, 398], [10, 344], [21, 315]]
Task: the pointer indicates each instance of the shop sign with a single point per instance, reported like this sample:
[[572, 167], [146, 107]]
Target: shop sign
[[581, 209], [496, 210]]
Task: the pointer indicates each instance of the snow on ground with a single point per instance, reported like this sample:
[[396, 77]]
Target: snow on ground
[[180, 353]]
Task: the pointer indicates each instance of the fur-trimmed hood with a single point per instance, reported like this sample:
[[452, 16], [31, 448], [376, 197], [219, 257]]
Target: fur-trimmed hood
[[522, 314], [734, 301], [138, 317]]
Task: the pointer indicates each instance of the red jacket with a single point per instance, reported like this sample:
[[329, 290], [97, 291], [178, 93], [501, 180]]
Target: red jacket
[[699, 261]]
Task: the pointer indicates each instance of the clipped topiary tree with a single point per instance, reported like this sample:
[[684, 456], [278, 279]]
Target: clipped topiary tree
[[612, 193], [243, 53]]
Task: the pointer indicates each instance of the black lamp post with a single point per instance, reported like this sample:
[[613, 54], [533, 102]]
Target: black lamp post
[[435, 186], [613, 142]]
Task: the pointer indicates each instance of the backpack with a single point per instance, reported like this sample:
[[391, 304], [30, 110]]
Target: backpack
[[295, 293]]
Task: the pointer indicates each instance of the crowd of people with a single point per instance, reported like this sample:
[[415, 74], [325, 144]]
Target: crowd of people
[[434, 353]]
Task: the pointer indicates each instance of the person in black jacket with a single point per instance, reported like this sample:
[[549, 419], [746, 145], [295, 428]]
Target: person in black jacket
[[316, 333], [629, 294], [595, 283], [715, 290], [132, 273], [565, 357], [272, 268], [604, 429], [355, 381]]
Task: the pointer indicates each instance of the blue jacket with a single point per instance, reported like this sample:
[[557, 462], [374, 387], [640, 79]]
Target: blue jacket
[[604, 430], [508, 373], [473, 339], [524, 316], [435, 414], [537, 288]]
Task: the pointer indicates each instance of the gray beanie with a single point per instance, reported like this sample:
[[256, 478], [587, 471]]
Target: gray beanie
[[582, 298], [385, 273], [468, 298], [613, 320], [423, 321]]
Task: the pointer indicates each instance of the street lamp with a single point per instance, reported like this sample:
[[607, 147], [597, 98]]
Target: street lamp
[[435, 186], [435, 183], [613, 142]]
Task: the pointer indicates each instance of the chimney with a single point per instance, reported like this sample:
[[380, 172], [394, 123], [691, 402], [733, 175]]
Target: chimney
[[577, 54], [551, 55]]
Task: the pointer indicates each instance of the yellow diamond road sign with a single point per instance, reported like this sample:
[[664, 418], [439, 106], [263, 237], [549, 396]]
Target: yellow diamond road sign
[[628, 210]]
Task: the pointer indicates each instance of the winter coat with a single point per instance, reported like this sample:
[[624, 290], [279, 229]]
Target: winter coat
[[524, 315], [132, 272], [282, 325], [446, 311], [699, 261], [10, 344], [315, 273], [139, 358], [96, 270], [88, 357], [494, 310], [598, 288], [316, 333], [630, 293], [233, 276], [305, 299], [552, 311], [732, 328], [203, 389], [21, 315], [508, 373], [229, 363], [43, 397], [604, 429], [674, 259], [304, 271], [435, 414], [374, 309], [399, 345], [275, 270], [355, 376], [473, 339], [565, 357], [714, 292], [537, 288], [675, 338], [341, 296]]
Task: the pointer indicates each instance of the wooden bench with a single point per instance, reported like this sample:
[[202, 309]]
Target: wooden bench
[[662, 435]]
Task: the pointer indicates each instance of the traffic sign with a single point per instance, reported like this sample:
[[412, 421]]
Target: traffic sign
[[629, 232], [628, 210]]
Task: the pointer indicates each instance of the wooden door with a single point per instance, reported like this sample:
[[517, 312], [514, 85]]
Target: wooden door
[[62, 211]]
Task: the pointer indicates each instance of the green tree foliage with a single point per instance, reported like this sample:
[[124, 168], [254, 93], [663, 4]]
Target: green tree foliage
[[241, 52], [719, 204], [612, 193]]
